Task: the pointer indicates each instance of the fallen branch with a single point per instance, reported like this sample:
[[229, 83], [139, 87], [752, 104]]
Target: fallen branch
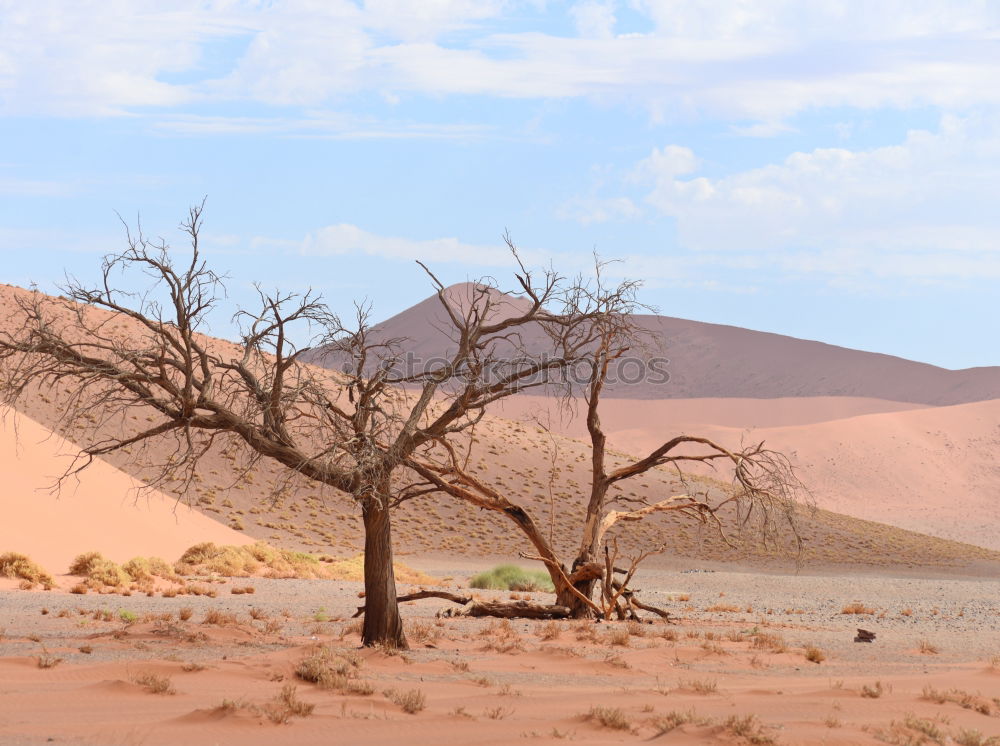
[[510, 610], [463, 600], [471, 607], [665, 615]]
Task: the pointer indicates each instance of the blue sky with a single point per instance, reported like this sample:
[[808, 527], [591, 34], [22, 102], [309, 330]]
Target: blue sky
[[827, 169]]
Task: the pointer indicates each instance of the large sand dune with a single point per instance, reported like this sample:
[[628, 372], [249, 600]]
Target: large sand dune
[[103, 509], [515, 458], [934, 469], [713, 360]]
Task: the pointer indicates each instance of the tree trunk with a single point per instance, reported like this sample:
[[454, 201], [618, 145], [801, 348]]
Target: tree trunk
[[383, 625], [585, 585]]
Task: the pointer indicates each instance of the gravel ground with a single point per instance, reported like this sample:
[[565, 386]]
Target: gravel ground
[[960, 617]]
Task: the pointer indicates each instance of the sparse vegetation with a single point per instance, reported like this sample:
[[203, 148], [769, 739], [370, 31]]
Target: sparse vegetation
[[47, 660], [333, 669], [154, 682], [928, 648], [676, 718], [619, 637], [699, 686], [411, 701], [512, 578], [814, 654], [857, 608], [975, 738], [285, 705], [872, 691], [965, 700], [749, 728], [769, 641], [609, 717], [19, 566], [551, 630], [723, 608]]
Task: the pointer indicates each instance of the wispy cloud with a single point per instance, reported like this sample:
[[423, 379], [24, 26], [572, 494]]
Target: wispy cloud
[[759, 62], [345, 239], [35, 188], [320, 125], [922, 210]]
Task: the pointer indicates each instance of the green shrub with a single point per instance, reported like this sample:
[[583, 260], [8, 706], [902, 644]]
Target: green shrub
[[513, 578]]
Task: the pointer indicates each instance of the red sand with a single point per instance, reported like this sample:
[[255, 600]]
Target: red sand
[[101, 510]]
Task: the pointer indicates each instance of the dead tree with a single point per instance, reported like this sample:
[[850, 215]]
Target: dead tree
[[352, 431], [763, 495]]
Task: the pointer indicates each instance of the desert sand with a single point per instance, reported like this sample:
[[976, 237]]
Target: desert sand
[[739, 649], [760, 649], [101, 508]]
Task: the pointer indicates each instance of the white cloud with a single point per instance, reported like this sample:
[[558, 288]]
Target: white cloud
[[924, 208], [593, 209], [594, 19], [427, 19], [341, 239], [94, 57], [759, 62], [34, 188], [320, 125]]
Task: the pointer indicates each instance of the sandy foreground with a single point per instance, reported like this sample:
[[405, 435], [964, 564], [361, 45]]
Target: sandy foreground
[[732, 670]]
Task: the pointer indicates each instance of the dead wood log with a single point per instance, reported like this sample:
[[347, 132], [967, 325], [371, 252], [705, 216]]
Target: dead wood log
[[864, 636], [516, 610], [423, 594], [663, 614], [472, 607]]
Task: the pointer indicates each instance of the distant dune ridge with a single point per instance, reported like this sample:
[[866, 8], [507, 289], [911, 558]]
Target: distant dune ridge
[[712, 360], [849, 463], [872, 434]]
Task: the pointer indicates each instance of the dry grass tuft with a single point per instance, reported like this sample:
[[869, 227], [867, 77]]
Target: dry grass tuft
[[411, 701], [676, 718], [975, 738], [857, 608], [609, 717], [285, 705], [619, 637], [19, 566], [814, 654], [47, 660], [333, 669], [261, 559], [220, 618], [873, 691], [423, 633], [699, 686], [502, 637], [154, 683], [928, 648], [963, 699], [769, 641], [551, 630], [749, 728], [724, 608]]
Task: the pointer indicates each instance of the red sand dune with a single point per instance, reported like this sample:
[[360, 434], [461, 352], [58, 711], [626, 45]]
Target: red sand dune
[[933, 470], [713, 360], [100, 510]]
